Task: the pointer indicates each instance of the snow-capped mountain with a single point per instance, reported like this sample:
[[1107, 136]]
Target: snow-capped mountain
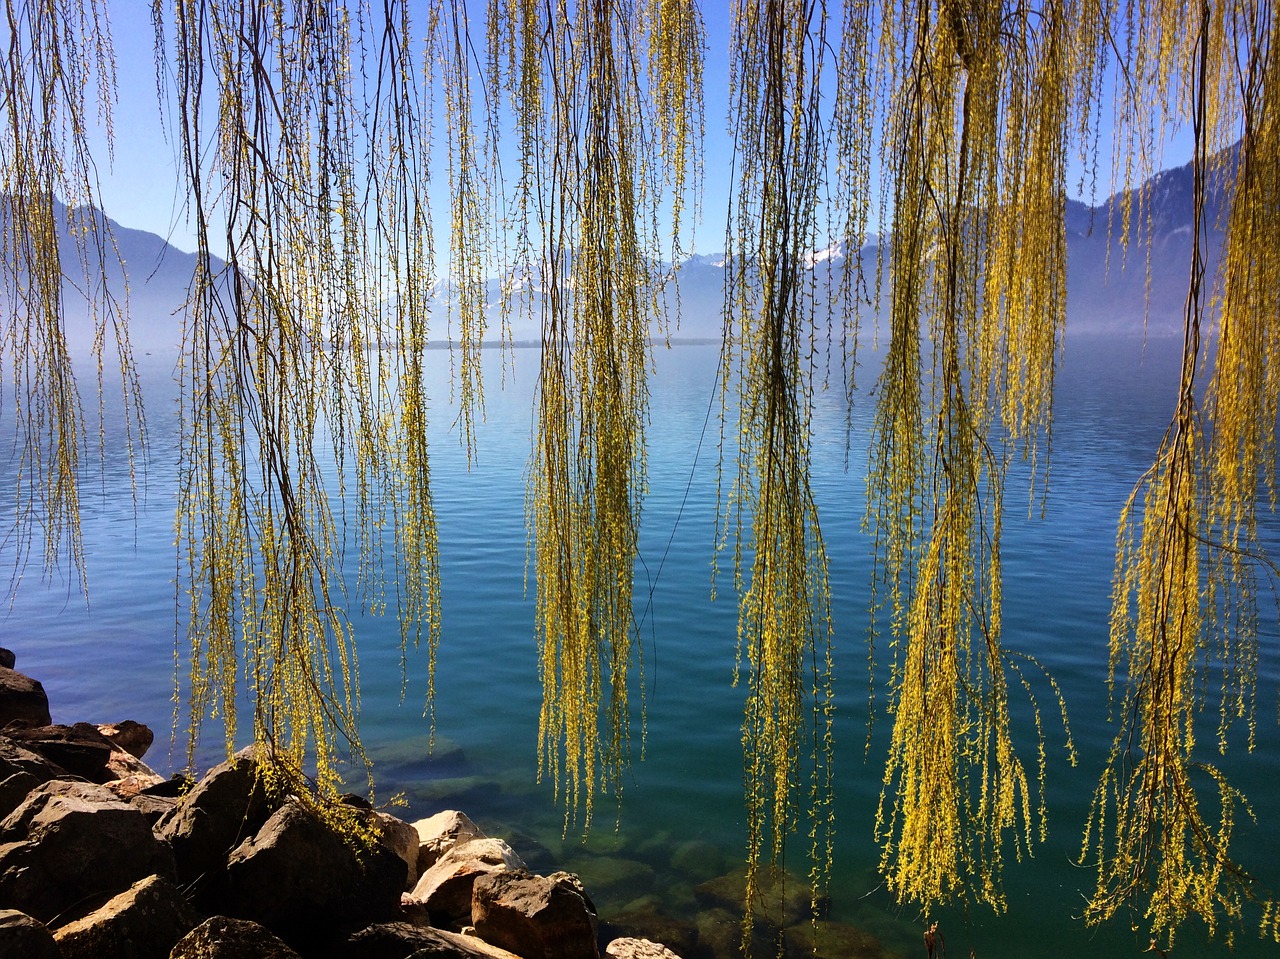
[[1111, 289]]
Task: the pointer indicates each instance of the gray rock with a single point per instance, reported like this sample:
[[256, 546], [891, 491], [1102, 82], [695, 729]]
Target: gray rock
[[22, 699], [21, 770], [80, 749], [223, 938], [307, 884], [68, 843], [133, 737], [439, 833], [638, 949], [7, 659], [400, 940], [143, 922], [226, 807], [446, 886], [22, 937], [402, 839], [541, 917]]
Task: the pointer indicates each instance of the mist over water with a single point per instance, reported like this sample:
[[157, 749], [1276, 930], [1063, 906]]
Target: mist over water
[[680, 821]]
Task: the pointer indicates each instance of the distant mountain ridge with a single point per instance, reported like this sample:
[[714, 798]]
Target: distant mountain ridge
[[1108, 285]]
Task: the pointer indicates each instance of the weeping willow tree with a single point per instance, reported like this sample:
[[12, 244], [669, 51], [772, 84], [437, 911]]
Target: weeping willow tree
[[304, 134], [594, 121]]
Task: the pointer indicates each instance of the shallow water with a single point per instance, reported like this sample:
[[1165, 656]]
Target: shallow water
[[680, 821]]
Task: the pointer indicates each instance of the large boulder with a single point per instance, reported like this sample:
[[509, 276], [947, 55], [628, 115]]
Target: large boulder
[[22, 937], [225, 808], [133, 737], [402, 839], [400, 940], [224, 938], [439, 833], [309, 885], [143, 922], [70, 843], [445, 888], [541, 917], [22, 770], [22, 699], [84, 751]]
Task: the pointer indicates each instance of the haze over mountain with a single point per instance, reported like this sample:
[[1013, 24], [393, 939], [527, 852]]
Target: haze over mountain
[[1107, 284]]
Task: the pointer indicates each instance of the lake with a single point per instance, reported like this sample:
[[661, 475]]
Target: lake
[[680, 822]]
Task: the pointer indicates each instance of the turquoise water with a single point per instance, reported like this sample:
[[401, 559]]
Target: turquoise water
[[680, 821]]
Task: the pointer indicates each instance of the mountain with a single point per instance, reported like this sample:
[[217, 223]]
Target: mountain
[[1107, 284]]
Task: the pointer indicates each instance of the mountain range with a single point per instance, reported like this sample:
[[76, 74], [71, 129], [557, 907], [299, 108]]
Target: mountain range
[[1112, 290]]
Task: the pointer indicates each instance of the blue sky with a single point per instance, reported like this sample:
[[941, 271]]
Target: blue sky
[[139, 189]]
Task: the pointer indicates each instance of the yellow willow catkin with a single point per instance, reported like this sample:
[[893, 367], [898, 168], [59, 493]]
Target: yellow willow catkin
[[589, 188], [275, 370], [1184, 596], [978, 125], [780, 563], [57, 71]]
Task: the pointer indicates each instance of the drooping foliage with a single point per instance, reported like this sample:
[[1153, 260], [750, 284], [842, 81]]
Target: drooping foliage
[[572, 132], [57, 78], [1184, 609], [780, 561]]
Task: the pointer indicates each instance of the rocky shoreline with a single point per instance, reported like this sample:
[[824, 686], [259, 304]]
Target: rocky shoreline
[[103, 858]]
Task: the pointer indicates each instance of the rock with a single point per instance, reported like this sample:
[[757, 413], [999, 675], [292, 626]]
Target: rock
[[399, 940], [441, 832], [300, 879], [780, 900], [647, 917], [698, 859], [80, 749], [7, 659], [833, 940], [22, 937], [226, 807], [21, 771], [132, 737], [638, 949], [22, 699], [402, 839], [446, 886], [225, 938], [68, 843], [154, 808], [144, 922], [540, 917]]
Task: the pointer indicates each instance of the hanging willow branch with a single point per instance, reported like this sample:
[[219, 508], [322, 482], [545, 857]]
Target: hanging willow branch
[[590, 186], [984, 105], [1184, 597], [275, 366], [780, 561], [54, 61]]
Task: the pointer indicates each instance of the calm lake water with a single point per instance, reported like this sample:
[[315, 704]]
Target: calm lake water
[[680, 822]]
